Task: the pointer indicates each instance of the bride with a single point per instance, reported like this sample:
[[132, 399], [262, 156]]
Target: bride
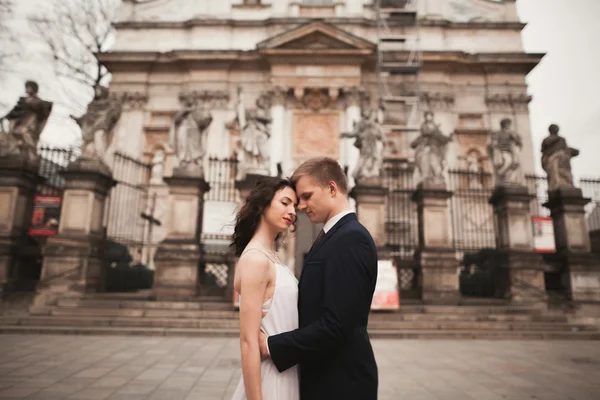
[[267, 288]]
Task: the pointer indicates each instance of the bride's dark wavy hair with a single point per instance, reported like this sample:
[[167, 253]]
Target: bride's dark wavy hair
[[248, 218]]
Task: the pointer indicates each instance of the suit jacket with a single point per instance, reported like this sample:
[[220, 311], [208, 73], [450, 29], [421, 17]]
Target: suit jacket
[[335, 292]]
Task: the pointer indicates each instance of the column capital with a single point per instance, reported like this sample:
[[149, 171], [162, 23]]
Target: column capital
[[131, 100], [354, 96], [204, 98]]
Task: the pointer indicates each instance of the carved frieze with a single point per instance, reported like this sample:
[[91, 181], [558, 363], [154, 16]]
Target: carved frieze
[[131, 100], [204, 98], [438, 101], [508, 101]]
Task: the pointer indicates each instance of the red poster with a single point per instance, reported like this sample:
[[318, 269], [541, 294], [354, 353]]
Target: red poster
[[45, 216]]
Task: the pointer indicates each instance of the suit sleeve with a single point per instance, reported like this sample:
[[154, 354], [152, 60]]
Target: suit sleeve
[[349, 280]]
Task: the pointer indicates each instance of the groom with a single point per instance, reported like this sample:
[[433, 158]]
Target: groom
[[336, 288]]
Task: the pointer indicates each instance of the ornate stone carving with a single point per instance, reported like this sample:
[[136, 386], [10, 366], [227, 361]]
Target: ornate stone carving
[[504, 150], [130, 100], [354, 96], [26, 121], [556, 160], [315, 100], [98, 123], [438, 100], [204, 98], [253, 125], [430, 151], [369, 140], [278, 96], [508, 101]]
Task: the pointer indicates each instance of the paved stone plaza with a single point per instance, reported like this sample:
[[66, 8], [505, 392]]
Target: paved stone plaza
[[135, 368]]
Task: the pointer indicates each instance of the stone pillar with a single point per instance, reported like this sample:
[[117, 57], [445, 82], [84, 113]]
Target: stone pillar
[[277, 98], [247, 184], [18, 182], [521, 271], [573, 243], [370, 211], [439, 267], [349, 154], [178, 256], [73, 259]]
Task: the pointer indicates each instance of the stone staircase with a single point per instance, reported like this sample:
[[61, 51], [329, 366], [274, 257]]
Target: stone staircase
[[137, 314]]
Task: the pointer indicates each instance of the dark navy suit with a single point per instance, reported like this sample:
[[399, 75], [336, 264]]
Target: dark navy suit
[[332, 346]]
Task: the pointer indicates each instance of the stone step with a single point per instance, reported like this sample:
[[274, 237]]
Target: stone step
[[219, 314], [233, 333], [146, 304], [81, 320], [141, 313]]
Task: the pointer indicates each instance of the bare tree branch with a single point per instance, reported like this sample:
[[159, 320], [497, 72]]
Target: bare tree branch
[[8, 41], [76, 31]]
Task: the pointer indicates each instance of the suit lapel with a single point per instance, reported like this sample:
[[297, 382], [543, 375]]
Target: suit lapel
[[328, 235]]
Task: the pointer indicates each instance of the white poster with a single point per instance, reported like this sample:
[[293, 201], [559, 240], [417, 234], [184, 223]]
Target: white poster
[[386, 296], [543, 235]]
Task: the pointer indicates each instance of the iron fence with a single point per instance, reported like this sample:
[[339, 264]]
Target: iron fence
[[53, 161], [127, 200], [401, 222], [221, 178], [538, 187], [471, 213], [591, 189]]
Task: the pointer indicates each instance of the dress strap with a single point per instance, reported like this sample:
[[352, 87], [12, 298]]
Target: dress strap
[[270, 257]]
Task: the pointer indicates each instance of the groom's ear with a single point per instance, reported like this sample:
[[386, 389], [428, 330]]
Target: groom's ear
[[332, 187]]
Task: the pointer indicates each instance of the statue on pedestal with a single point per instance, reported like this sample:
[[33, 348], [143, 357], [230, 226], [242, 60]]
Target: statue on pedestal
[[504, 149], [253, 148], [188, 137], [158, 168], [98, 123], [430, 151], [556, 160], [369, 141], [26, 120]]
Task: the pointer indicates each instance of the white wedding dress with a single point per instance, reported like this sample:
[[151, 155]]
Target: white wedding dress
[[282, 316]]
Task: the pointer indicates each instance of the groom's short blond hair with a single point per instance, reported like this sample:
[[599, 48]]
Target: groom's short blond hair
[[323, 170]]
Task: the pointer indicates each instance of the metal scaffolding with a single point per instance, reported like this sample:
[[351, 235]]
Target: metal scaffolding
[[399, 61]]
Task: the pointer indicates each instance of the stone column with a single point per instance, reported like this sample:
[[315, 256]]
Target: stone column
[[18, 182], [129, 135], [521, 273], [73, 259], [178, 256], [370, 211], [439, 267], [573, 243], [277, 97], [348, 153]]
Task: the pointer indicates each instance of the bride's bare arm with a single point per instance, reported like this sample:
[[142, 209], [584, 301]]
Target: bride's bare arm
[[253, 269]]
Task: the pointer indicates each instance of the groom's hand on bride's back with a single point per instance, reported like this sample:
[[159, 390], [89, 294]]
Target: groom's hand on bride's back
[[262, 344]]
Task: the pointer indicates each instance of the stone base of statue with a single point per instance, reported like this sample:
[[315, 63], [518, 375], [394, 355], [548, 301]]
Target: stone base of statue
[[74, 258], [573, 243], [177, 258], [248, 182], [595, 241], [370, 209], [437, 259], [18, 182], [520, 273]]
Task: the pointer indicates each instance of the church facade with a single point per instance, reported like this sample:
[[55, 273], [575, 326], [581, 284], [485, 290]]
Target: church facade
[[311, 69]]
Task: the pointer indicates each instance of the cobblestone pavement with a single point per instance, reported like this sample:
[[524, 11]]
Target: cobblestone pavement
[[45, 367]]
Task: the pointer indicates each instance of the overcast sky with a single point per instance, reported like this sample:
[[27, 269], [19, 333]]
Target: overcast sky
[[565, 86]]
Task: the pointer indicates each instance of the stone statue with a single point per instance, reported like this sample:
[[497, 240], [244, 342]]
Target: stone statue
[[430, 151], [253, 148], [474, 171], [98, 123], [26, 121], [369, 141], [188, 138], [504, 149], [158, 168], [556, 160]]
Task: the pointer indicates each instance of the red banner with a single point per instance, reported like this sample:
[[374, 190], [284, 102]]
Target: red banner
[[45, 216]]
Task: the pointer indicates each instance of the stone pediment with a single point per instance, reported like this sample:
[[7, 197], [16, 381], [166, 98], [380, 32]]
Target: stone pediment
[[316, 37]]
